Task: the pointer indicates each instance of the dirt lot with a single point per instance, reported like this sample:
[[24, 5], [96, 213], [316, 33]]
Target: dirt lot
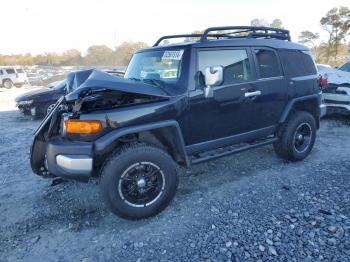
[[252, 207]]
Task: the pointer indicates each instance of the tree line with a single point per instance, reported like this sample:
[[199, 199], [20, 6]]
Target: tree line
[[333, 51], [97, 55]]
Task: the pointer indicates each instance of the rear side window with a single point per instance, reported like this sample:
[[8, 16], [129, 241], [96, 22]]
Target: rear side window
[[234, 62], [10, 71], [267, 63], [297, 63], [1, 73], [19, 70]]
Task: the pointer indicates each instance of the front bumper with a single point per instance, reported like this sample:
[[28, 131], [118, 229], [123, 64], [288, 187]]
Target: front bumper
[[72, 160], [338, 102]]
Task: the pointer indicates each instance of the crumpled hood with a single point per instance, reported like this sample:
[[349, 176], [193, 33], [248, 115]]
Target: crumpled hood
[[91, 80], [31, 94]]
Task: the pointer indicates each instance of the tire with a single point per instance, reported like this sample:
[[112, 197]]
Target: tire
[[116, 180], [296, 137], [7, 84]]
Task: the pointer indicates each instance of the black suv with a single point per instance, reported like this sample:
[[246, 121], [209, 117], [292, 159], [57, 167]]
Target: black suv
[[221, 92]]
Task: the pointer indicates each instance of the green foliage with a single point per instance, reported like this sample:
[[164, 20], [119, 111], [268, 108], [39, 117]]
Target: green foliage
[[308, 38], [337, 23], [335, 50], [277, 23]]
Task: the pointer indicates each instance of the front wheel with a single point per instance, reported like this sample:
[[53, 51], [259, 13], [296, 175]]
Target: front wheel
[[296, 137], [138, 181], [7, 84]]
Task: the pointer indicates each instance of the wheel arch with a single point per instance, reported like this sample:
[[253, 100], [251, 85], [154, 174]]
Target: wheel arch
[[166, 135], [6, 79], [310, 103]]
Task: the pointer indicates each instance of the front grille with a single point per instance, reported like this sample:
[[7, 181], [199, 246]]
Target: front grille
[[341, 92]]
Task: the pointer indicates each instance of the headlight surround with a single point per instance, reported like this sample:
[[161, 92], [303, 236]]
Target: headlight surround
[[25, 103]]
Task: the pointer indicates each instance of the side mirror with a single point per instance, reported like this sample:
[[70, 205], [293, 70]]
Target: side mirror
[[213, 75]]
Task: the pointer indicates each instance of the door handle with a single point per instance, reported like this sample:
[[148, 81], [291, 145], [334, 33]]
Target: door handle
[[250, 94]]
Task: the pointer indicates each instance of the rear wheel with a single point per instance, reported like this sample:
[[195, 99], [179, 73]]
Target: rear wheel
[[296, 137], [8, 84], [138, 181]]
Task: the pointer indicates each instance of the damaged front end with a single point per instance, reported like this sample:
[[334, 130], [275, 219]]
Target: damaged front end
[[88, 91]]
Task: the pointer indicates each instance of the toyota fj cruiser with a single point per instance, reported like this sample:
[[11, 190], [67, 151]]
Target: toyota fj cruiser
[[233, 89]]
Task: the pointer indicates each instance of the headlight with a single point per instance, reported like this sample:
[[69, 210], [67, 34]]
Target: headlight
[[25, 103]]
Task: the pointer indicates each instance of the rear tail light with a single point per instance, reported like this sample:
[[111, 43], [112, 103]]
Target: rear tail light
[[322, 81], [84, 127]]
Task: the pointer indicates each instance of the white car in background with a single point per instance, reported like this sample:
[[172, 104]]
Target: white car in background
[[10, 77], [336, 88]]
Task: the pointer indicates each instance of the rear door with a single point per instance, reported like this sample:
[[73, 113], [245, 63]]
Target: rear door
[[273, 87]]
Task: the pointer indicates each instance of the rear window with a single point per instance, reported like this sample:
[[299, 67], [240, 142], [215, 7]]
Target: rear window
[[10, 71], [297, 63], [19, 70]]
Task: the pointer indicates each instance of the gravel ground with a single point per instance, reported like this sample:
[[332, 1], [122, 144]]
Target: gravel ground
[[246, 207]]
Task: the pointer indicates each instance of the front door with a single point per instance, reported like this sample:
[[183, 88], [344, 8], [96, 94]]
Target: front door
[[230, 111]]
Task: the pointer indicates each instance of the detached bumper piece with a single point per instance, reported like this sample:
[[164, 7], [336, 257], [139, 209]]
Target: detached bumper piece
[[72, 160]]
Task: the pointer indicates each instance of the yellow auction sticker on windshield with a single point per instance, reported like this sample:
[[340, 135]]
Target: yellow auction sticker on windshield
[[172, 55]]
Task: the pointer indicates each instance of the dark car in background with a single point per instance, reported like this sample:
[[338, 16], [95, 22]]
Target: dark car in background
[[40, 102]]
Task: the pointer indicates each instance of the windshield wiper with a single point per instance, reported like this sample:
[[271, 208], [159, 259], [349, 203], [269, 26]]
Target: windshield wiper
[[135, 79], [153, 81]]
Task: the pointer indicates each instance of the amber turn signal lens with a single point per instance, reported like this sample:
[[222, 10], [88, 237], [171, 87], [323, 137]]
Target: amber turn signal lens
[[86, 127]]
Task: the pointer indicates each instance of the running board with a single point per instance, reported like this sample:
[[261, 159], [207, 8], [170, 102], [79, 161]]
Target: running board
[[215, 154]]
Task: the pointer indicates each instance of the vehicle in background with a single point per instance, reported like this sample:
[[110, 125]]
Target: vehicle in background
[[345, 67], [180, 104], [40, 102], [335, 84], [335, 76], [322, 66], [10, 77]]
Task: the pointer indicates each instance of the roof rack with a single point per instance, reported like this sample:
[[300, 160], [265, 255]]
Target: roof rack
[[235, 32], [188, 35]]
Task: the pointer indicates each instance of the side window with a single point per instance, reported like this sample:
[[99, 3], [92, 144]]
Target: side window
[[1, 73], [10, 71], [235, 63], [297, 63], [267, 63]]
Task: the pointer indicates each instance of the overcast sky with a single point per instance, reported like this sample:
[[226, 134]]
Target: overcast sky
[[33, 26]]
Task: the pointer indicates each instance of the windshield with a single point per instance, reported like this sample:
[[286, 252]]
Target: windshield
[[345, 67], [164, 66]]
